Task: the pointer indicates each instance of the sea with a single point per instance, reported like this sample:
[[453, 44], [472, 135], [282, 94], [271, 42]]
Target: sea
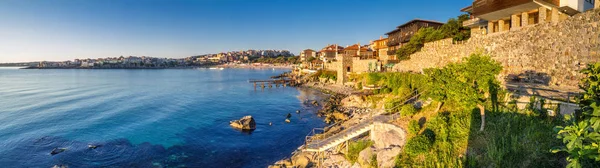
[[149, 118]]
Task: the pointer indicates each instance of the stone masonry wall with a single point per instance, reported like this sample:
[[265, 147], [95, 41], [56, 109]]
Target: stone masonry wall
[[363, 65], [559, 50]]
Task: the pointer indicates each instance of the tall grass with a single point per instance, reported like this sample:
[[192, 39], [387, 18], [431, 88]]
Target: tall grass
[[510, 139]]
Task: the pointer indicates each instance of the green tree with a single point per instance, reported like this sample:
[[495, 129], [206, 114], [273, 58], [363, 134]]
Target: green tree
[[452, 29], [470, 83], [581, 136]]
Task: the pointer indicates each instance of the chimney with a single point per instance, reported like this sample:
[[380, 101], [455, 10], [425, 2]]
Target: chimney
[[358, 52], [336, 50], [380, 37]]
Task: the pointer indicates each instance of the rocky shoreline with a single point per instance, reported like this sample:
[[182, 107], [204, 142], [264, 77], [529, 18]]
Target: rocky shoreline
[[345, 107]]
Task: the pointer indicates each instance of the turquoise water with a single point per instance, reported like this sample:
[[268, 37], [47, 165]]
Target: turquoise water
[[148, 118]]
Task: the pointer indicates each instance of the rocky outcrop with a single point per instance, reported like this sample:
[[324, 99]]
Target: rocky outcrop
[[302, 160], [337, 161], [386, 157], [245, 123], [364, 157], [355, 101], [389, 140], [387, 135]]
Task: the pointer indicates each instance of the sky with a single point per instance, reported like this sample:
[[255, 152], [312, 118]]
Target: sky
[[59, 30]]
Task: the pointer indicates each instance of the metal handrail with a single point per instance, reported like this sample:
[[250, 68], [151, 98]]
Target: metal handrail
[[310, 138]]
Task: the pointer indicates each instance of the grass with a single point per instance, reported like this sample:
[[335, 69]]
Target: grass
[[510, 139], [354, 148]]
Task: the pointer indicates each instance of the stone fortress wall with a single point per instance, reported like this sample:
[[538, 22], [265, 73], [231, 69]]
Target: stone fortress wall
[[556, 49]]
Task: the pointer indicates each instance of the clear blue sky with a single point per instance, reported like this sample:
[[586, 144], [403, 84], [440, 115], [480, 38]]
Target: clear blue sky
[[53, 30]]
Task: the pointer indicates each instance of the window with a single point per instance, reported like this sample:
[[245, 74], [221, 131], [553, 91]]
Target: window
[[590, 1]]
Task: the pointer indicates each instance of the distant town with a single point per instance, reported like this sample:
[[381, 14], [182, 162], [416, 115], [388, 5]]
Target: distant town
[[147, 62]]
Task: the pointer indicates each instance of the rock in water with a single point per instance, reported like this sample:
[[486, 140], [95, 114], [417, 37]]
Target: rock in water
[[90, 146], [289, 115], [57, 151], [287, 120], [245, 123], [297, 111]]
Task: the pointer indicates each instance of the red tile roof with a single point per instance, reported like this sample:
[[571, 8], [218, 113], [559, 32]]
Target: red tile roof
[[355, 47], [331, 48]]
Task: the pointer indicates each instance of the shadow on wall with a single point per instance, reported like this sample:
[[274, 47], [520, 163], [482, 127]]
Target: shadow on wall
[[529, 76]]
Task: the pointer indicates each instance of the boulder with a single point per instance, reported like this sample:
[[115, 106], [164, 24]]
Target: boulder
[[340, 116], [355, 101], [386, 157], [364, 157], [302, 160], [388, 135], [387, 139], [314, 102], [336, 160], [245, 123], [57, 151], [283, 163]]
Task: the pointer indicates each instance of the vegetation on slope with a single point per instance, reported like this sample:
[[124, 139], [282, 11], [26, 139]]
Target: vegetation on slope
[[452, 136], [354, 148]]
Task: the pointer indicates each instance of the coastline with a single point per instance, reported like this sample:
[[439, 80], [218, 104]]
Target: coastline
[[335, 113], [256, 66], [236, 66]]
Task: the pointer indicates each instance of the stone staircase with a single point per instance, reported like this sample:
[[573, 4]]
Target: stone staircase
[[321, 144], [347, 134]]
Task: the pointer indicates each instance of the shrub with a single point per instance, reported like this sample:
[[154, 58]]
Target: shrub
[[373, 78], [327, 74], [376, 91], [385, 91], [581, 135], [429, 134], [355, 148], [414, 127], [408, 110], [359, 86], [417, 145], [373, 162], [452, 29]]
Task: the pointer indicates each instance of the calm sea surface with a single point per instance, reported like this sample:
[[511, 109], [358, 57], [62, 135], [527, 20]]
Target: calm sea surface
[[148, 118]]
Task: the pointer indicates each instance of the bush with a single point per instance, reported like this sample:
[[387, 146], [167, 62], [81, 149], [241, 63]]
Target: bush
[[581, 134], [354, 148], [452, 29], [408, 110], [385, 91], [417, 145], [376, 91], [373, 162], [327, 74], [414, 127]]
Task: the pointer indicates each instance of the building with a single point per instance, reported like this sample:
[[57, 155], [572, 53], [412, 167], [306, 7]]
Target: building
[[380, 49], [308, 53], [492, 16], [402, 34], [330, 52], [356, 50]]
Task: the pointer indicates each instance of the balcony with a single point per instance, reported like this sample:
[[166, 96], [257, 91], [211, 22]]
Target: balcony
[[391, 52], [474, 22]]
